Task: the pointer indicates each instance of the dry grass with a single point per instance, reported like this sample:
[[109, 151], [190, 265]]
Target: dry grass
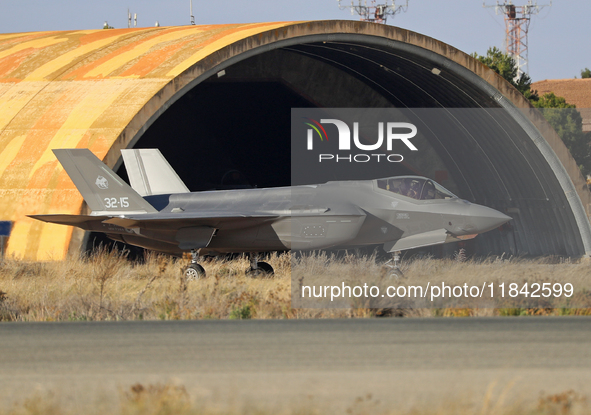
[[106, 286], [325, 270], [170, 399]]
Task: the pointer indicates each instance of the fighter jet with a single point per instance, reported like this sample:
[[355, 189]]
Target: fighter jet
[[398, 213]]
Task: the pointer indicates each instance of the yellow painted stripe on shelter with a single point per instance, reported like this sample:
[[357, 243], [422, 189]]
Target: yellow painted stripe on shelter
[[8, 154], [9, 36], [15, 99], [237, 34], [100, 96], [54, 241], [10, 151], [98, 99], [18, 237], [34, 44], [143, 47], [68, 58]]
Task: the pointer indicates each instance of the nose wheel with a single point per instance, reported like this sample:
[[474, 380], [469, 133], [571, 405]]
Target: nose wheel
[[392, 266], [258, 268], [194, 271]]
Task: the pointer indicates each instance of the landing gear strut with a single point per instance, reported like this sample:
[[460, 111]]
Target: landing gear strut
[[258, 268], [392, 266], [194, 271]]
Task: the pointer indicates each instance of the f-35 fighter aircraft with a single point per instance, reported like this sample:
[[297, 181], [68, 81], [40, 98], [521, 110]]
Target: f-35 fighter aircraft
[[397, 212]]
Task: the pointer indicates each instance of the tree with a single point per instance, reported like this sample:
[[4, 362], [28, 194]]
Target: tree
[[550, 100], [568, 124], [563, 117], [505, 65]]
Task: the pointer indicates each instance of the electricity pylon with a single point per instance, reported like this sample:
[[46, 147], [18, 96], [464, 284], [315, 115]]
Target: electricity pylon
[[517, 20], [375, 13]]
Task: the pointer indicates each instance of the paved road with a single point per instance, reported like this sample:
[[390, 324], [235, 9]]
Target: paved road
[[317, 362]]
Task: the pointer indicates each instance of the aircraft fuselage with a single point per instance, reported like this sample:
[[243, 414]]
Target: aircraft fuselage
[[336, 214]]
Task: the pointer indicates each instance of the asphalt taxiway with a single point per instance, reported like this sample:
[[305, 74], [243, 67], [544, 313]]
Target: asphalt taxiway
[[317, 362]]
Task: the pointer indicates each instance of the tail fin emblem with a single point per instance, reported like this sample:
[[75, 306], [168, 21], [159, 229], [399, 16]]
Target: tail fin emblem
[[101, 183]]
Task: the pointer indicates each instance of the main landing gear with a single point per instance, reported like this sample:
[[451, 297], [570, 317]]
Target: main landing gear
[[392, 266], [194, 271], [257, 268]]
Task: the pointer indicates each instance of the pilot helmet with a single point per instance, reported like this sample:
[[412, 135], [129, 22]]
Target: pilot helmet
[[404, 186]]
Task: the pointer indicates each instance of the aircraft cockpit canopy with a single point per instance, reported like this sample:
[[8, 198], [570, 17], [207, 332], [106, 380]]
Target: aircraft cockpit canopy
[[419, 188]]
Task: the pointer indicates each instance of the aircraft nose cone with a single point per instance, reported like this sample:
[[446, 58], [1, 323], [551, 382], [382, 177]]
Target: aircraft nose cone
[[485, 219]]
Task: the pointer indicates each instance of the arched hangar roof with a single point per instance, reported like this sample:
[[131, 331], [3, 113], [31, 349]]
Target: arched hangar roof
[[105, 90]]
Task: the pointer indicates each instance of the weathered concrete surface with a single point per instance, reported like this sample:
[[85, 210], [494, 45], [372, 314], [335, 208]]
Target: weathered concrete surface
[[285, 363], [101, 89]]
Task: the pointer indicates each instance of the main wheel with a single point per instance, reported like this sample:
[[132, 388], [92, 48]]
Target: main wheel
[[263, 270], [194, 272], [266, 268]]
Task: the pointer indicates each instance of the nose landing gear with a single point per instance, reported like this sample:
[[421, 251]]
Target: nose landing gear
[[392, 267]]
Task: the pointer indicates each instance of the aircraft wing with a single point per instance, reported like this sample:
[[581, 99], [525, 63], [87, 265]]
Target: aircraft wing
[[160, 221], [174, 220], [73, 220], [179, 220]]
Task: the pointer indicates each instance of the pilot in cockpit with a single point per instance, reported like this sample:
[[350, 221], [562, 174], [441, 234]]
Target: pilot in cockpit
[[415, 190]]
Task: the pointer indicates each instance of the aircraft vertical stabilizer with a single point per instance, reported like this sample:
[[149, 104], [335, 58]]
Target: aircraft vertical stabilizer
[[104, 191], [150, 174]]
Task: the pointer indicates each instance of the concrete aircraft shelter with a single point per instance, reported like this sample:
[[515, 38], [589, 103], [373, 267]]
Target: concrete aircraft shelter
[[216, 100]]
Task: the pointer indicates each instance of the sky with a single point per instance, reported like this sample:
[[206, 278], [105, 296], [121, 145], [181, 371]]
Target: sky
[[559, 36]]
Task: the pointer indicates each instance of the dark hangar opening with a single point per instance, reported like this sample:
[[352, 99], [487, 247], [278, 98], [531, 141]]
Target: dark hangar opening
[[228, 135], [234, 131]]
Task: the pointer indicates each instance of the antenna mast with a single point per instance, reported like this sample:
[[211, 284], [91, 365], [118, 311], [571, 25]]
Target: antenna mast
[[192, 17], [517, 19], [375, 13]]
